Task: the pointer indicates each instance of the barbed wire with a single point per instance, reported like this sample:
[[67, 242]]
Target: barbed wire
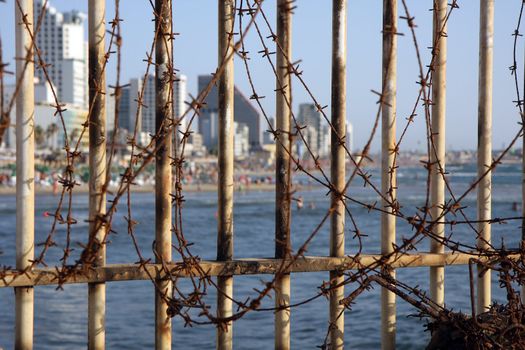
[[498, 327]]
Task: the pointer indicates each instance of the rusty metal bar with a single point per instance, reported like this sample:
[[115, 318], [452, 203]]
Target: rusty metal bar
[[163, 116], [523, 183], [388, 169], [132, 272], [97, 166], [283, 170], [225, 190], [522, 245], [437, 152], [337, 169], [25, 170], [486, 56]]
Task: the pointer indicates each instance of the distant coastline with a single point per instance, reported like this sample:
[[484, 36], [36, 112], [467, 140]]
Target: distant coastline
[[245, 181], [83, 189]]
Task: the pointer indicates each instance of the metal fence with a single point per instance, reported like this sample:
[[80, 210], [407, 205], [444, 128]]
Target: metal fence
[[168, 157]]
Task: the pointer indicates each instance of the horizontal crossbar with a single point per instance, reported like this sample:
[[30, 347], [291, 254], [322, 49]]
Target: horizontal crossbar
[[254, 266]]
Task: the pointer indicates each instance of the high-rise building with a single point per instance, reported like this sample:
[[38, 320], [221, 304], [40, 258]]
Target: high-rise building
[[309, 115], [146, 114], [319, 142], [241, 143], [310, 134], [324, 140], [180, 94], [209, 128], [349, 137], [314, 131], [124, 109], [244, 112], [61, 41], [128, 103], [268, 137], [110, 111]]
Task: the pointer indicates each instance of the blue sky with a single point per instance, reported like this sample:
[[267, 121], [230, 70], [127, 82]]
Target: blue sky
[[196, 53]]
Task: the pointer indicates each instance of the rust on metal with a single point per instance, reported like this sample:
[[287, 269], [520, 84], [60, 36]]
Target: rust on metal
[[283, 174], [484, 201], [130, 272], [226, 16], [388, 166], [337, 169], [437, 144], [97, 167], [163, 209]]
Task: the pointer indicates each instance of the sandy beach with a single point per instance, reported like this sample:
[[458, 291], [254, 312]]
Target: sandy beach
[[83, 189]]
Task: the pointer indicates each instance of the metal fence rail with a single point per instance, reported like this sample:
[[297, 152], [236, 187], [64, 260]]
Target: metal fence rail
[[97, 273], [132, 272]]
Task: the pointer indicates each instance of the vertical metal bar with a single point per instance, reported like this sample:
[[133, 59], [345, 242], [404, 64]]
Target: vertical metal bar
[[163, 115], [225, 190], [283, 171], [337, 168], [522, 246], [437, 152], [486, 49], [97, 166], [388, 170], [25, 173]]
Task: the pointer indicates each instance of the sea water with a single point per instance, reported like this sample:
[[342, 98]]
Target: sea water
[[61, 315]]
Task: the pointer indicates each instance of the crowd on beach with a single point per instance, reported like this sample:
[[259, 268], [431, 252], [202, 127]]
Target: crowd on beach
[[8, 178], [192, 175], [43, 179]]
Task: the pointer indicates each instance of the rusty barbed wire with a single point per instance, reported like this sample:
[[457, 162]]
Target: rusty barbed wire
[[501, 326]]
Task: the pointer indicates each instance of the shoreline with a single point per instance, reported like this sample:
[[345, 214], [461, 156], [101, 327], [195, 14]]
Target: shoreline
[[193, 188]]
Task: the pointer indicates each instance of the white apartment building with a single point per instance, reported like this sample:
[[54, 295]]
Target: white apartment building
[[180, 93], [315, 131], [61, 41], [349, 137], [241, 140]]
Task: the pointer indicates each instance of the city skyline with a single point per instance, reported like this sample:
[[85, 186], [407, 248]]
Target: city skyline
[[61, 42], [363, 61]]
